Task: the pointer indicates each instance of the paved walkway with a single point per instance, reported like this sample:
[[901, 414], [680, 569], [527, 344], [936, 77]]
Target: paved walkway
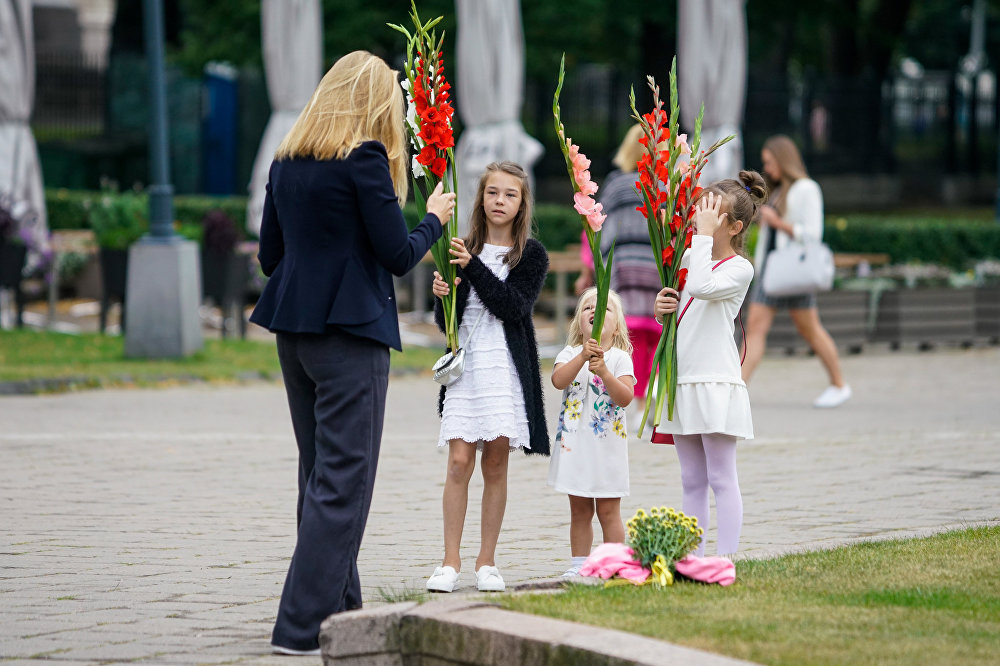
[[155, 525]]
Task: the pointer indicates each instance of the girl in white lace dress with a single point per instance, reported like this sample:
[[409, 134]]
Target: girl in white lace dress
[[495, 406]]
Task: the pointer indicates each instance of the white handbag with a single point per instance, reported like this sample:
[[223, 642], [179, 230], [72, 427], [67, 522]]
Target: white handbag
[[449, 367], [798, 268]]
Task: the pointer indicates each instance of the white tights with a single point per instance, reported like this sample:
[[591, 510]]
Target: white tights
[[710, 460]]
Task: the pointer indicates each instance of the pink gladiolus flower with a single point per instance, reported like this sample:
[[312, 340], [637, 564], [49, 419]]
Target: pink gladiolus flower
[[588, 187], [584, 205], [681, 141], [683, 167], [596, 218], [580, 163], [573, 150], [581, 177]]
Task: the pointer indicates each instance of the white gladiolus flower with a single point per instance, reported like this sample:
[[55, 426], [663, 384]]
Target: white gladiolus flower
[[418, 170]]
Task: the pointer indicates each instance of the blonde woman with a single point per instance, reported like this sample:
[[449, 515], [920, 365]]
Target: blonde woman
[[633, 274], [794, 212], [331, 239]]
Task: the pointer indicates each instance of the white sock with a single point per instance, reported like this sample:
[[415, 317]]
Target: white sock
[[579, 560]]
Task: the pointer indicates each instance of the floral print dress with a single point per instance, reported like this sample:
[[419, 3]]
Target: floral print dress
[[590, 458]]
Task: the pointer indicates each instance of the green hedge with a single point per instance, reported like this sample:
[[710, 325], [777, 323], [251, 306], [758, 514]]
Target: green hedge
[[925, 237], [70, 209], [955, 242]]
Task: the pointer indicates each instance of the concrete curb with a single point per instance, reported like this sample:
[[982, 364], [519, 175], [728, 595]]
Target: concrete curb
[[68, 384], [474, 633]]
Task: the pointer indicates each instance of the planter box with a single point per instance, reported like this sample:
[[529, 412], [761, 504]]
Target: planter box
[[927, 316], [844, 314], [988, 313], [225, 279], [12, 258], [114, 276]]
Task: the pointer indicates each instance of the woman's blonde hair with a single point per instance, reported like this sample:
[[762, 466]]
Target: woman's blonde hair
[[358, 100], [620, 340], [521, 226], [630, 150], [789, 160]]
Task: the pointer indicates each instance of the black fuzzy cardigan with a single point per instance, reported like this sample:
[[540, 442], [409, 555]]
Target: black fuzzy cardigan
[[512, 301]]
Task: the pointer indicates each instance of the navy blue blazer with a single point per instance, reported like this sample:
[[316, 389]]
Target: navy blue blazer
[[331, 239]]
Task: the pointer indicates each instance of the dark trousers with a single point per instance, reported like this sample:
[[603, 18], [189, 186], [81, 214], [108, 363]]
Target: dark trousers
[[336, 386]]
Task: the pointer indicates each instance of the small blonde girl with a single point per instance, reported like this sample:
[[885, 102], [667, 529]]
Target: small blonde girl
[[590, 460]]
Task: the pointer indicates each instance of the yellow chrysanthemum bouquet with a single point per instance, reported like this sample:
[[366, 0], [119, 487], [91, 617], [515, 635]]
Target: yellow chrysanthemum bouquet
[[660, 538]]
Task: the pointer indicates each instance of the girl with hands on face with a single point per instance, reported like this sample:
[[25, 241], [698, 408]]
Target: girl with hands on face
[[495, 407], [712, 407]]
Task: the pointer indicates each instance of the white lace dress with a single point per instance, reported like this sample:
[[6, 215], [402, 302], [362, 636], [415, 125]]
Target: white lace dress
[[487, 401]]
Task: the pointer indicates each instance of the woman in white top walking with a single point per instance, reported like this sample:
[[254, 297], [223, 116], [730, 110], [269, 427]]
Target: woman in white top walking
[[795, 212], [712, 409]]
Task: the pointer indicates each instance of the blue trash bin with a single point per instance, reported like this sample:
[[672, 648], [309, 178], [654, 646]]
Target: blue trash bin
[[220, 129]]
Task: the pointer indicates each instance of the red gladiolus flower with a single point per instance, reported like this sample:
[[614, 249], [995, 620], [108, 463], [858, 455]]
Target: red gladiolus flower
[[427, 155], [438, 166], [682, 277], [668, 255]]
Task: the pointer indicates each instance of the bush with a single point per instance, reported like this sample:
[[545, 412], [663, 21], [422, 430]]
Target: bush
[[118, 220], [70, 209], [926, 237], [954, 242]]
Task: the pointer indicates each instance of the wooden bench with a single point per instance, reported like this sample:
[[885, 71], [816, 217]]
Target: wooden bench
[[856, 259]]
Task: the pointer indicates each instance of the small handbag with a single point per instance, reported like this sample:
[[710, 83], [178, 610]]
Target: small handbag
[[449, 367], [798, 268]]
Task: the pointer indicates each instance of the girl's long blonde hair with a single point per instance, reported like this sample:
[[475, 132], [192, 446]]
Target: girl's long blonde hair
[[357, 100], [620, 340]]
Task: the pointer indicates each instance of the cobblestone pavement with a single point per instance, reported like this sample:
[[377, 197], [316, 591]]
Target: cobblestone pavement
[[155, 525]]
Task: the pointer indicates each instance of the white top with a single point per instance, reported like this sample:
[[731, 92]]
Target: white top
[[804, 211], [711, 395], [590, 458], [486, 402]]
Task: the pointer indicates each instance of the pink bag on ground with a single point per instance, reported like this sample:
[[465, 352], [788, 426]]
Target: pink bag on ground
[[707, 569], [609, 559]]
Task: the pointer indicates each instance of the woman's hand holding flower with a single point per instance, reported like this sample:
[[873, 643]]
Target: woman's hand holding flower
[[441, 203]]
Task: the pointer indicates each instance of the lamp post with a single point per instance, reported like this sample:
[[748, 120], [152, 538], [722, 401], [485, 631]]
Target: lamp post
[[160, 190], [164, 277]]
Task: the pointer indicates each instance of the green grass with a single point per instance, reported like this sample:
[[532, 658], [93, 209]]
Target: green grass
[[917, 601], [97, 360]]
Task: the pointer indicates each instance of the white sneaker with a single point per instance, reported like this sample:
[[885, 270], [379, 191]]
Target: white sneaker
[[573, 571], [289, 652], [488, 579], [833, 396], [444, 579]]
